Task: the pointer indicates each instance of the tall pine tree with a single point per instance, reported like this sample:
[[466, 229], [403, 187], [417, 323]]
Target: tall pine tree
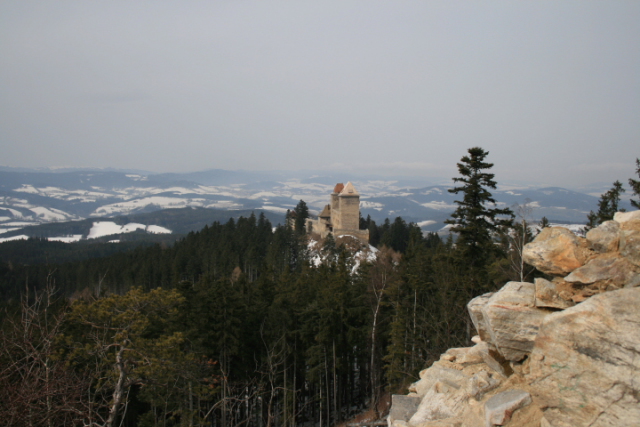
[[474, 221], [635, 186]]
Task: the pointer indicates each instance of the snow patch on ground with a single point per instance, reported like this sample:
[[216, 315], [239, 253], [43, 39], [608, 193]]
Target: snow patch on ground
[[431, 191], [132, 226], [103, 228], [6, 230], [425, 223], [371, 205], [63, 194], [439, 205], [66, 239], [51, 214], [15, 213], [274, 209], [107, 228], [162, 202], [8, 239], [156, 229], [17, 224], [262, 194], [367, 254]]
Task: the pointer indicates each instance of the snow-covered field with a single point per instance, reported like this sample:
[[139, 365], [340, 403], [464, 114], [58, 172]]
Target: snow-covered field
[[8, 239], [51, 214], [162, 202], [66, 239], [107, 228]]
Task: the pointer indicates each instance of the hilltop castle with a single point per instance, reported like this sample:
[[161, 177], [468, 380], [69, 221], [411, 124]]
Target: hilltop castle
[[341, 216]]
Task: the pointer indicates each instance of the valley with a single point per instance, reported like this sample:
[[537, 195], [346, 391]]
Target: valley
[[90, 200]]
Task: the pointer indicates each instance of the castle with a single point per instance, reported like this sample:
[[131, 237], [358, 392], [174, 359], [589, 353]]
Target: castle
[[341, 216]]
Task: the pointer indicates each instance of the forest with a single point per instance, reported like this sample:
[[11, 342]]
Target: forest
[[242, 324]]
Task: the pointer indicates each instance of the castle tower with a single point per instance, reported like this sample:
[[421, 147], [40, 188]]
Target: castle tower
[[342, 215], [348, 215]]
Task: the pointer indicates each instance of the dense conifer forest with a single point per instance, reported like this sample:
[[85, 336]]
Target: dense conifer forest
[[239, 324]]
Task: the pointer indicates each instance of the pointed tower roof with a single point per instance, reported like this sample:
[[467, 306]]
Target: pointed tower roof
[[326, 212], [349, 190], [338, 188]]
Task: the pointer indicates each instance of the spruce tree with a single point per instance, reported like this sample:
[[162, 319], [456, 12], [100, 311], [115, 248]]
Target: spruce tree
[[544, 223], [635, 186], [302, 213], [474, 222], [607, 206]]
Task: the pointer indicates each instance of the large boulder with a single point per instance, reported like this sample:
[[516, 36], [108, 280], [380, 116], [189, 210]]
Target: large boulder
[[477, 316], [446, 400], [560, 352], [605, 237], [610, 270], [629, 235], [510, 318], [585, 363], [557, 251], [624, 217]]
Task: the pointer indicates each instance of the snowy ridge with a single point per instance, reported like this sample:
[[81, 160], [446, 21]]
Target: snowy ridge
[[81, 195], [107, 228]]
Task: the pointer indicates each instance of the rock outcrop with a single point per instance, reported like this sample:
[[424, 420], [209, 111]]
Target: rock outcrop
[[563, 351]]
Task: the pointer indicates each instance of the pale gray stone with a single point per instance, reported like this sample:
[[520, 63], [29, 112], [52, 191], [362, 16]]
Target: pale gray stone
[[477, 317], [511, 320], [403, 407], [544, 422], [622, 217], [463, 356], [480, 384], [441, 402], [585, 364], [605, 237], [630, 241], [428, 377], [494, 360], [610, 267], [499, 408], [547, 295], [557, 251]]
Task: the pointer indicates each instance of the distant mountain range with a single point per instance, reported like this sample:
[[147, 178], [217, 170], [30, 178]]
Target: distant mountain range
[[29, 198]]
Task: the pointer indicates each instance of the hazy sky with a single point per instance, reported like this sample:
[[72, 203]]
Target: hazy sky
[[550, 88]]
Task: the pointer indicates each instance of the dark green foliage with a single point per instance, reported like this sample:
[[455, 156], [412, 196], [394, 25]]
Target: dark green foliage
[[544, 222], [635, 186], [607, 206], [41, 251], [473, 221], [301, 215], [244, 330]]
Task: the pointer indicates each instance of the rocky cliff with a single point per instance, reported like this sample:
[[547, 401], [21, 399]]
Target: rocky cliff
[[563, 351]]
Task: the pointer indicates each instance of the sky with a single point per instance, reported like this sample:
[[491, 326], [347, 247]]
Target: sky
[[551, 89]]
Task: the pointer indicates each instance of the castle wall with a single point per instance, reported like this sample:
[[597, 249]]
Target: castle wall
[[360, 234], [342, 215], [349, 213]]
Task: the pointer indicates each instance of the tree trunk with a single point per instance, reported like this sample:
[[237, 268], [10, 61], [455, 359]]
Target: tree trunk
[[118, 390]]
